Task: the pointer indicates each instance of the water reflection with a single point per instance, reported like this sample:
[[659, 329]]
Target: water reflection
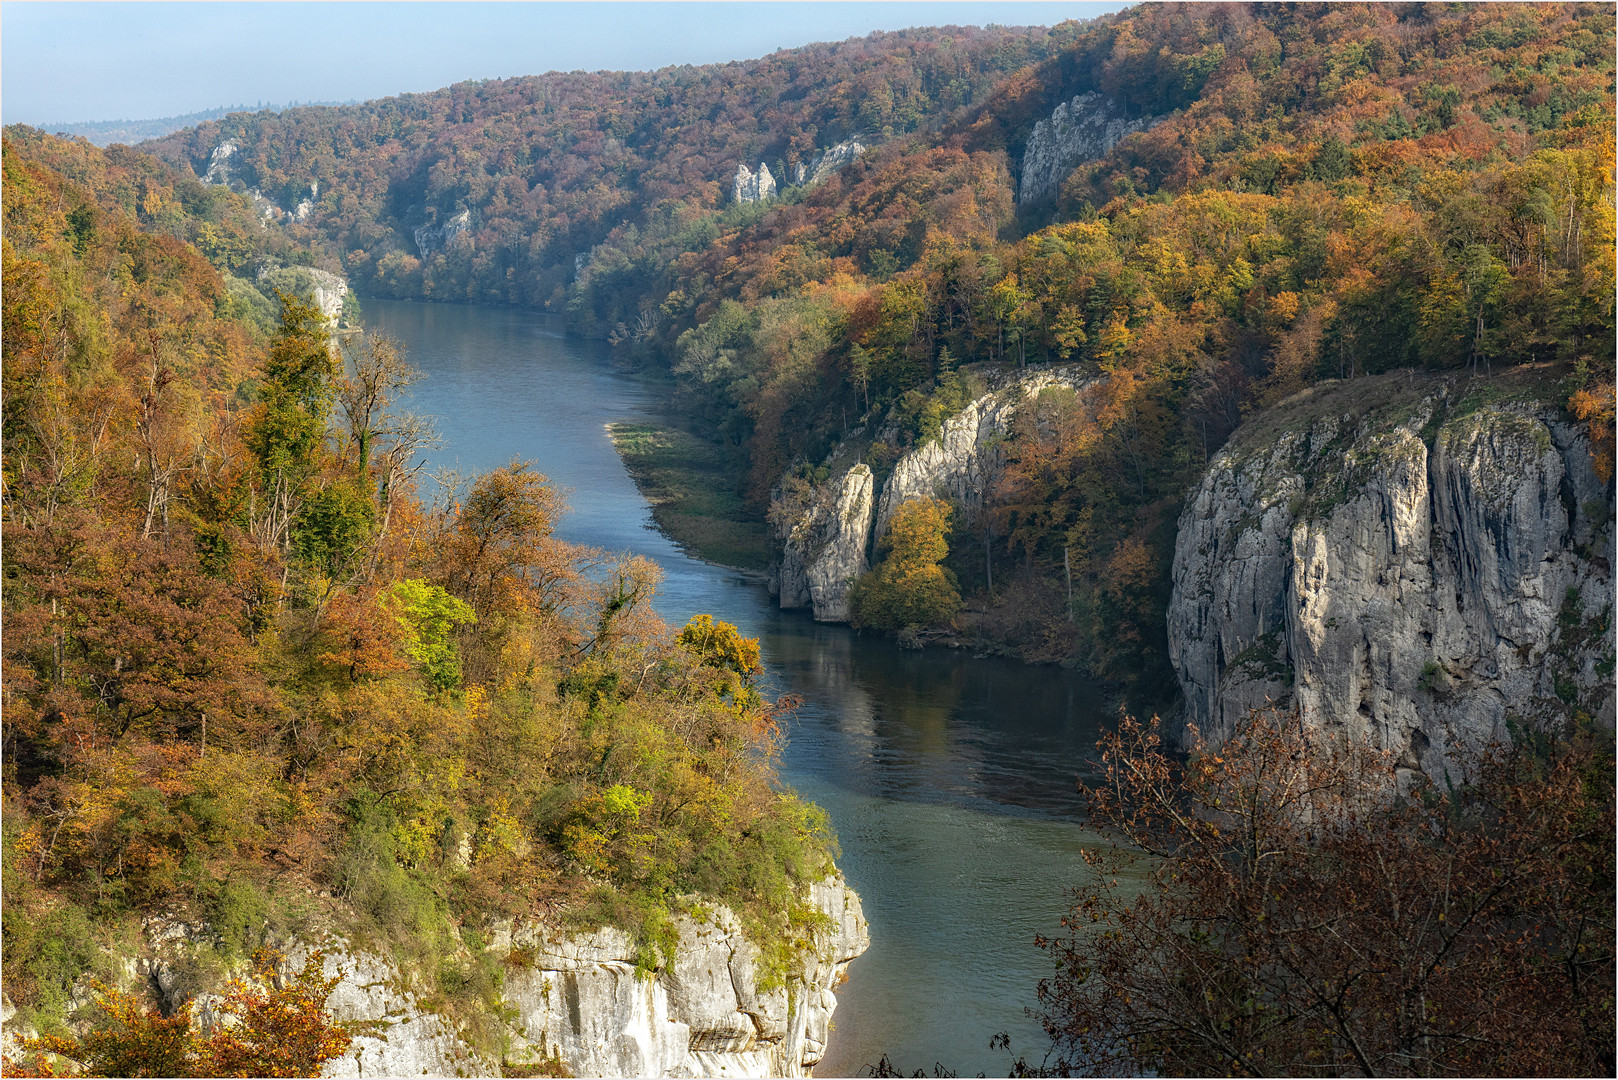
[[950, 780]]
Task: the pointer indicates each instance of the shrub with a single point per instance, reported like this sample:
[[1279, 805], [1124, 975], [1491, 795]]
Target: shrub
[[1300, 916]]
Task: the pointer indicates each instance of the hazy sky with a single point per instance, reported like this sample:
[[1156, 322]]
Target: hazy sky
[[76, 62]]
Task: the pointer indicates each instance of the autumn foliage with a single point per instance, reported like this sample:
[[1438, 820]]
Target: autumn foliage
[[245, 660], [270, 1026], [911, 588], [1283, 904]]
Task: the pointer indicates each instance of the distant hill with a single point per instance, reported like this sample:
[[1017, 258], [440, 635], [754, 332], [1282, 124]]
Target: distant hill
[[106, 132]]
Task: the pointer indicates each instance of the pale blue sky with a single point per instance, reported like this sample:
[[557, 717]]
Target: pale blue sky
[[78, 62]]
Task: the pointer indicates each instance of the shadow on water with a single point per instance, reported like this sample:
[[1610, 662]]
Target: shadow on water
[[950, 780]]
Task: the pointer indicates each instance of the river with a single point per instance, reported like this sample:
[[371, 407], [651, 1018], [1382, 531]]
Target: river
[[950, 780]]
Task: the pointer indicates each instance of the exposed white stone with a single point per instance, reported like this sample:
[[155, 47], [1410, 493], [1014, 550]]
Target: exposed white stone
[[962, 463], [829, 161], [219, 163], [1400, 578], [1080, 130], [826, 551], [826, 545], [583, 1001], [304, 208], [574, 999], [753, 187], [325, 290], [431, 238]]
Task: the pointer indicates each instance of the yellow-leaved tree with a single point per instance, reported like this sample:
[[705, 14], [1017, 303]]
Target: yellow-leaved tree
[[910, 588]]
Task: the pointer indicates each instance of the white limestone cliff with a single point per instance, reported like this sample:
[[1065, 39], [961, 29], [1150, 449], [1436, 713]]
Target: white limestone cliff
[[826, 543], [1414, 575], [962, 463], [1080, 130], [825, 551], [748, 186], [219, 163], [574, 1000], [431, 238], [829, 161], [325, 290]]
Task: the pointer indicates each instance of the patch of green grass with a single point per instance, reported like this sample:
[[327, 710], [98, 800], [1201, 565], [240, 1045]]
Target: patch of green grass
[[693, 494]]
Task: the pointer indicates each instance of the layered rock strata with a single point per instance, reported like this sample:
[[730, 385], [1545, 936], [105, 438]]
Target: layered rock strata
[[1417, 575]]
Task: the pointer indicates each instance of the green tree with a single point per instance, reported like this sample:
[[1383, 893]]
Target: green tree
[[285, 431], [429, 616]]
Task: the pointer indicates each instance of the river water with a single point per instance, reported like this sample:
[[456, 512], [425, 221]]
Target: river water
[[950, 780]]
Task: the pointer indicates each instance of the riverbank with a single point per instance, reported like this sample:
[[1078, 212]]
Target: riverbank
[[692, 494]]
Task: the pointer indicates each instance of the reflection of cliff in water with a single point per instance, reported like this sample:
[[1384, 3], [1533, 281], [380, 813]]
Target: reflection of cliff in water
[[933, 725]]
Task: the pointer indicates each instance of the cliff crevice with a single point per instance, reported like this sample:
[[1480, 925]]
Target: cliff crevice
[[1415, 563]]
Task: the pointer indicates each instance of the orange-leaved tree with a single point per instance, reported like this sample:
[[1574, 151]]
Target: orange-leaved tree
[[1300, 915], [265, 1030]]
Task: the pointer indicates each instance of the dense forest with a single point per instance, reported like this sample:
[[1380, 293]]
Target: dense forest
[[248, 659], [254, 654], [1324, 192]]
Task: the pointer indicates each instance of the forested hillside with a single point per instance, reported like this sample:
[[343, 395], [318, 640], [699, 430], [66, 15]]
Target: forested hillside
[[545, 166], [248, 661], [1320, 191]]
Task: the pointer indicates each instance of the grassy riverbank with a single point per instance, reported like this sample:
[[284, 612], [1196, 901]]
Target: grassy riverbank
[[693, 495]]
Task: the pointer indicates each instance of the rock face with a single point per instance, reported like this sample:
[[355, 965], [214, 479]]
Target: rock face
[[711, 1013], [430, 238], [219, 171], [831, 160], [1415, 575], [306, 206], [219, 163], [402, 1038], [1080, 130], [325, 290], [826, 545], [574, 1000], [963, 461], [750, 187], [826, 551]]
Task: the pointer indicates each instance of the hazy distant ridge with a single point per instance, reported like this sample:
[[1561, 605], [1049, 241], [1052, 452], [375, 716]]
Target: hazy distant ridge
[[107, 132]]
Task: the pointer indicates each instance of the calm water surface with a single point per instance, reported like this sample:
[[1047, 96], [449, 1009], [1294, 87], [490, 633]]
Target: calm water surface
[[950, 781]]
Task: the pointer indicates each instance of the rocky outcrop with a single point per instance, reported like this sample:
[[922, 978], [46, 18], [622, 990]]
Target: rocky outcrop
[[961, 464], [1415, 573], [306, 205], [322, 288], [826, 539], [713, 1011], [219, 163], [578, 1001], [829, 161], [220, 171], [826, 551], [1080, 130], [431, 238], [753, 187], [399, 1036]]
